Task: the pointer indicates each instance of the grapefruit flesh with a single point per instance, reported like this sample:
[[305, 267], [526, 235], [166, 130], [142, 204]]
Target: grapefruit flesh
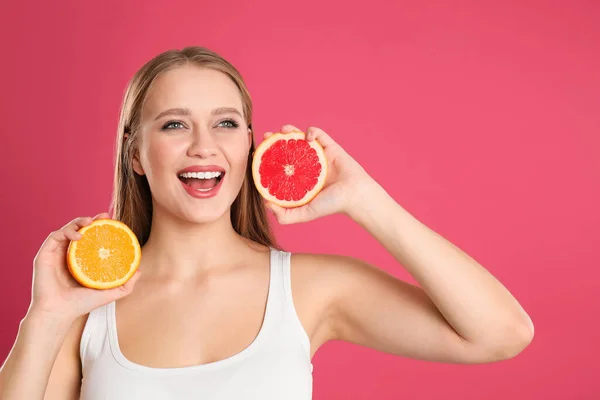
[[106, 256], [288, 170]]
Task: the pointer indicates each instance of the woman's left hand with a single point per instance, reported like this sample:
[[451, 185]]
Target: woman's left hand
[[346, 179]]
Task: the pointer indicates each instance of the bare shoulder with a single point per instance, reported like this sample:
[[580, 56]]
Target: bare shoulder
[[356, 302], [65, 378], [320, 282], [331, 275], [331, 263]]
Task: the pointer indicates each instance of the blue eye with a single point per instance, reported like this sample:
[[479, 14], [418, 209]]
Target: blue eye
[[229, 123], [173, 125]]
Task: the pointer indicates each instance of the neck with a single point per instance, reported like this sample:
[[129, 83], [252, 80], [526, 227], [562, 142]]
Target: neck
[[179, 249]]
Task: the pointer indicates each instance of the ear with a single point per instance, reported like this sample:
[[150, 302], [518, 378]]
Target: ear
[[135, 162], [137, 165], [249, 137]]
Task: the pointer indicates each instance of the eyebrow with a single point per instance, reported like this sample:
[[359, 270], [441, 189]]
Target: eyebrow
[[186, 112], [174, 111], [226, 110]]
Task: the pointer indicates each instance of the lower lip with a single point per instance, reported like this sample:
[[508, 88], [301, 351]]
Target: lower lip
[[203, 195]]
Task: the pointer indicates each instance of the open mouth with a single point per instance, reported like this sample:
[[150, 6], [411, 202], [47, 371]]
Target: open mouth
[[202, 181]]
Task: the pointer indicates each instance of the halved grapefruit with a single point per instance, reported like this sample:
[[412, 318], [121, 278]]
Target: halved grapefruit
[[289, 170], [106, 256]]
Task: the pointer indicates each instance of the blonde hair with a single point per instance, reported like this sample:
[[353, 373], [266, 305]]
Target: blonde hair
[[131, 201]]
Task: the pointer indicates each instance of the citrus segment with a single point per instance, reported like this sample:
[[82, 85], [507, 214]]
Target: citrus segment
[[288, 170], [106, 256]]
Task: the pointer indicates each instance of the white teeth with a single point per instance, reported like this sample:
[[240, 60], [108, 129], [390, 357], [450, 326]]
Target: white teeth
[[201, 175]]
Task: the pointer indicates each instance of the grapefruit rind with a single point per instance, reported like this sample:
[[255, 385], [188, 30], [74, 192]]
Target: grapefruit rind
[[84, 280], [256, 161]]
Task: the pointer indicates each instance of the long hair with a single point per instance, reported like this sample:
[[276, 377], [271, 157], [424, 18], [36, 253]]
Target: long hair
[[131, 201]]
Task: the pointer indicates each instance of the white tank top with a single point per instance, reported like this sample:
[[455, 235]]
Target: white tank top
[[276, 365]]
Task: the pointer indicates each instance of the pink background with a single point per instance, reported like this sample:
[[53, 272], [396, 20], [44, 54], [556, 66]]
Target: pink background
[[482, 120]]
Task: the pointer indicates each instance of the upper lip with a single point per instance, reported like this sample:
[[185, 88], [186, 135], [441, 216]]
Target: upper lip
[[201, 168]]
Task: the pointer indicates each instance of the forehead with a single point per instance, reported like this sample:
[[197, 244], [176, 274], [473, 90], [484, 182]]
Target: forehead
[[199, 89]]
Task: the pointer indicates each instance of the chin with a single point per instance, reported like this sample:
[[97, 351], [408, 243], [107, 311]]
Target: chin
[[204, 214], [206, 218]]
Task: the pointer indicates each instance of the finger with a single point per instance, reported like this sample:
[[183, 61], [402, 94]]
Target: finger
[[54, 240], [59, 240], [72, 234], [125, 289], [314, 133], [99, 297], [289, 128], [287, 216], [121, 291], [267, 134], [64, 234], [78, 223], [102, 216]]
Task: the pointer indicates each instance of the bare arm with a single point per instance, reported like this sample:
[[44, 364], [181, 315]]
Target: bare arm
[[65, 378], [44, 361], [460, 313]]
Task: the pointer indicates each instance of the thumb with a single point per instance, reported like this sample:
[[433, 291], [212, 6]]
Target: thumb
[[121, 291], [98, 297]]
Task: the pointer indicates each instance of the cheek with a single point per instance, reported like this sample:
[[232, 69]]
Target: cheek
[[239, 156], [157, 158]]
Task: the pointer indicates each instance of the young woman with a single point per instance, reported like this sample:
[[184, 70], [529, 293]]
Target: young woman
[[218, 310]]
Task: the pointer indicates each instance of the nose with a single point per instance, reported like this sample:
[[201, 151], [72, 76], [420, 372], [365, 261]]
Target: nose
[[202, 144]]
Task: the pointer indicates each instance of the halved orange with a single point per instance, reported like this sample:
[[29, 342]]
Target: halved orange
[[289, 170], [106, 256]]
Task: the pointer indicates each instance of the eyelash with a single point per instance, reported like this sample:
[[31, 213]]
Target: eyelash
[[166, 126], [233, 124]]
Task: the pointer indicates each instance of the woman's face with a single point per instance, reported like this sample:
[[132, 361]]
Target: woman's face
[[193, 143]]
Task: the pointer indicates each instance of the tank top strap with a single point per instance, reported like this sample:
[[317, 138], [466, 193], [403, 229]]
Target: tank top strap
[[276, 287], [281, 275], [280, 289], [94, 334], [285, 279]]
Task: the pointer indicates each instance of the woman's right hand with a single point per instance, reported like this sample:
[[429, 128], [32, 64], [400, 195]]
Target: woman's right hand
[[55, 292]]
